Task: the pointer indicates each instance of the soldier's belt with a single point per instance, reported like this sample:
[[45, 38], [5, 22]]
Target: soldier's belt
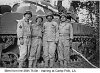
[[60, 34], [26, 36], [36, 37]]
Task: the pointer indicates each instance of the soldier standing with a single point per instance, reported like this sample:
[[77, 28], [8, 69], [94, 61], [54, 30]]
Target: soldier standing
[[65, 39], [36, 43], [24, 37], [49, 40]]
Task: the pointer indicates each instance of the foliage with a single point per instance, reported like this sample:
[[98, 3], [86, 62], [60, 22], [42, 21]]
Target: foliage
[[91, 6]]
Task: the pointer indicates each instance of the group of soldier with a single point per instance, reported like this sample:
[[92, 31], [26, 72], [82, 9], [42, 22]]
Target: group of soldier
[[50, 35]]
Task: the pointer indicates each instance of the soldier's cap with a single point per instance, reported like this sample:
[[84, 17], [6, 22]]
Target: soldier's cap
[[39, 17], [63, 15], [50, 14], [28, 12]]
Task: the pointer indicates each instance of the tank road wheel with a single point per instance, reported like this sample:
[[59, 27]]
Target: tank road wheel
[[9, 60]]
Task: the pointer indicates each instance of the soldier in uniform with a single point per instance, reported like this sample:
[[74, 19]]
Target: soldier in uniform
[[65, 39], [50, 38], [24, 37], [36, 43]]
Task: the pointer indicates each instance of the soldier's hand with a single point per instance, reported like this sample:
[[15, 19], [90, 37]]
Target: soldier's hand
[[70, 42], [56, 41], [21, 41]]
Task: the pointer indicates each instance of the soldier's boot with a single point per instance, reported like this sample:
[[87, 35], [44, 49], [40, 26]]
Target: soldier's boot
[[65, 63], [46, 64], [51, 63], [21, 64], [34, 63], [30, 65], [61, 64]]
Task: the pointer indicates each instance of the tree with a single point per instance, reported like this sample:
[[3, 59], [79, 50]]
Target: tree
[[91, 6]]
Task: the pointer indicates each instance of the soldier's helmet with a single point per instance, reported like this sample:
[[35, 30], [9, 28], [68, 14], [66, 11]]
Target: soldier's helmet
[[50, 14], [39, 17], [28, 12], [63, 15]]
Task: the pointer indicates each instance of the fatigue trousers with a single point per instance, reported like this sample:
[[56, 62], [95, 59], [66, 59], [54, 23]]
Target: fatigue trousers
[[49, 48], [63, 51], [24, 51], [36, 45]]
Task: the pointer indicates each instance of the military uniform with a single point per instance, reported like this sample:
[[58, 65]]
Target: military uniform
[[50, 37], [24, 32], [35, 44], [65, 34]]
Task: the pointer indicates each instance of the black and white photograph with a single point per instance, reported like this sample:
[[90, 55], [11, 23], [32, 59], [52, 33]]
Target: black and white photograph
[[49, 34]]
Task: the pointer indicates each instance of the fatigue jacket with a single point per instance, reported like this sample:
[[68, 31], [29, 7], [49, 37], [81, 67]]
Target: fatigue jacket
[[50, 30], [36, 30], [23, 28], [66, 30]]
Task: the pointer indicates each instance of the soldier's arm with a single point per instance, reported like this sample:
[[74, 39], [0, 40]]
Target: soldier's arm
[[71, 31], [19, 29], [71, 35], [31, 28], [43, 29], [57, 32]]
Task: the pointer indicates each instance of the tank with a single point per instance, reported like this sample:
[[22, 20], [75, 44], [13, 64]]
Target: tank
[[8, 35], [84, 41]]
